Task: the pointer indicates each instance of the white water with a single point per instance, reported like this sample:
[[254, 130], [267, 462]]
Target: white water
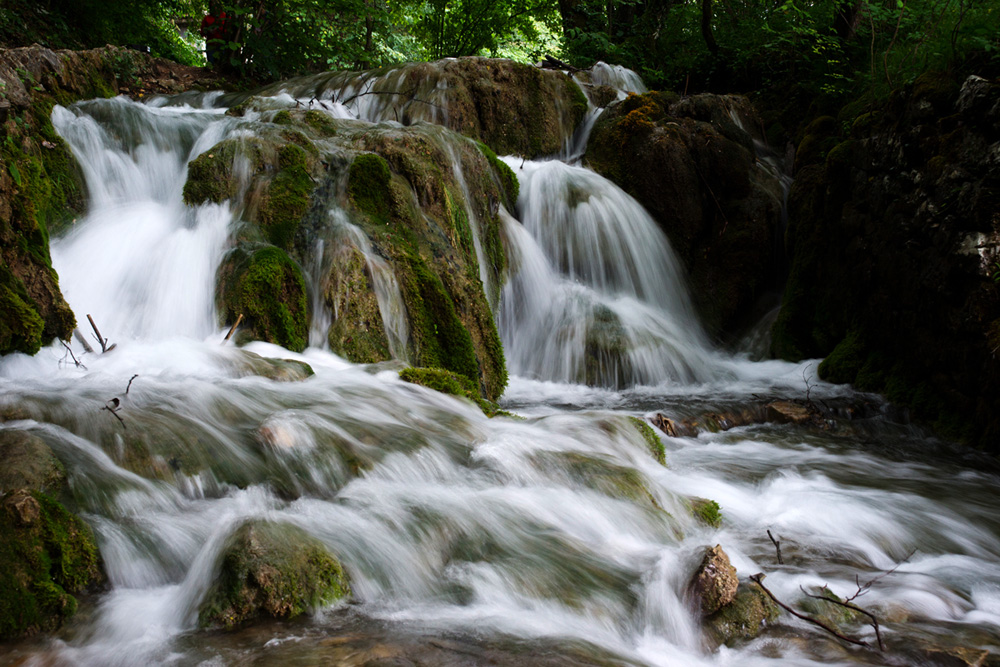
[[459, 525]]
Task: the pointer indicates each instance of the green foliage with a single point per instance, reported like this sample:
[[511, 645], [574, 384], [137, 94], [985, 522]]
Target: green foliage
[[653, 442], [707, 512], [454, 28]]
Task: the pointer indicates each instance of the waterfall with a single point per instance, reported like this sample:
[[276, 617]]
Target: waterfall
[[552, 538], [595, 294]]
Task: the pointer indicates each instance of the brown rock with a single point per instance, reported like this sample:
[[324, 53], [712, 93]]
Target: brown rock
[[786, 412], [716, 582], [24, 508]]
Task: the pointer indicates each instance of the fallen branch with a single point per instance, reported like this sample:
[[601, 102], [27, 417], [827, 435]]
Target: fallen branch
[[777, 547], [100, 339], [758, 579], [232, 329], [79, 364], [854, 607], [114, 404], [130, 383], [82, 340]]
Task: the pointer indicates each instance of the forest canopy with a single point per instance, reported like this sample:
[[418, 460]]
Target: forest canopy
[[836, 48]]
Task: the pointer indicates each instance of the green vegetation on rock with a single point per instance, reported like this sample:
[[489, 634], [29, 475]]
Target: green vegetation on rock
[[271, 570], [744, 617], [653, 441], [267, 288], [706, 511], [450, 383]]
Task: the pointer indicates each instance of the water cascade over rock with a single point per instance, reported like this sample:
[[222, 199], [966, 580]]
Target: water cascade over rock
[[235, 483]]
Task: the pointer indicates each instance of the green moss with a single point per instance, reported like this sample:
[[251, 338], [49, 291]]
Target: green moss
[[653, 441], [846, 361], [744, 617], [832, 614], [321, 123], [449, 383], [357, 332], [504, 174], [21, 326], [271, 570], [287, 199], [210, 175], [707, 512], [47, 559], [598, 474], [444, 342], [368, 185], [267, 288], [282, 118]]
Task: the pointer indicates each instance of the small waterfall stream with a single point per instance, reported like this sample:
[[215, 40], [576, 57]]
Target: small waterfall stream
[[554, 539]]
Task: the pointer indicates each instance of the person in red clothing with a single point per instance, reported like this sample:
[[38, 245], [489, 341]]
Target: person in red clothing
[[213, 29]]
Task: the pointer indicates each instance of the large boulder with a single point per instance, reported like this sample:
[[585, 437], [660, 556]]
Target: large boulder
[[715, 583], [413, 253], [894, 240], [49, 555], [692, 166], [271, 570]]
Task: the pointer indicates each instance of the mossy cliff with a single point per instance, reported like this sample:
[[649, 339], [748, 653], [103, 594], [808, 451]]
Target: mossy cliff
[[894, 237], [49, 555], [693, 168], [40, 185], [411, 213], [515, 109]]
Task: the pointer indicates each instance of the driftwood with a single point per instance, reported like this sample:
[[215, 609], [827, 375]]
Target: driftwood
[[548, 62], [79, 364], [777, 547], [115, 404], [758, 579]]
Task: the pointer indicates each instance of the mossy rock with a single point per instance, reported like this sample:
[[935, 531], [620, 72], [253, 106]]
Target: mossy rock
[[28, 463], [271, 570], [357, 331], [279, 370], [845, 362], [742, 619], [49, 555], [598, 474], [267, 288], [653, 442], [706, 511], [606, 348], [832, 613], [450, 383]]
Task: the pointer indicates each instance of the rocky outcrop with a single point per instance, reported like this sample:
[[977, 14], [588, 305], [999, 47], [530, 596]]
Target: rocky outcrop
[[40, 185], [271, 570], [894, 240], [715, 582], [422, 217], [691, 164], [48, 554], [514, 109]]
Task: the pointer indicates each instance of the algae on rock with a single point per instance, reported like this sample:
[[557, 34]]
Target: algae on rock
[[271, 570]]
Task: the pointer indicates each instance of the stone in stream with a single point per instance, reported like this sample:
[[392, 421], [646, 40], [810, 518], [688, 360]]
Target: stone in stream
[[715, 583], [271, 570]]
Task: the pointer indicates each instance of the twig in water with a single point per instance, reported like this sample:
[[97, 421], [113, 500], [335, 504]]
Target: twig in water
[[112, 406], [232, 329], [809, 385], [848, 605], [79, 364], [758, 579], [777, 547], [130, 383], [100, 339]]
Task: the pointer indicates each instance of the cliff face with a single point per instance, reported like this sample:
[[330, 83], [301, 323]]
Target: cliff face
[[40, 185], [894, 239]]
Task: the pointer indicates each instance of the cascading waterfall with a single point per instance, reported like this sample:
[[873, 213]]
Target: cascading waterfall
[[595, 294], [556, 539]]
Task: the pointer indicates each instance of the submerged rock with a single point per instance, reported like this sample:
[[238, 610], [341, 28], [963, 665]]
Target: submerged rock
[[48, 554], [271, 570], [692, 166]]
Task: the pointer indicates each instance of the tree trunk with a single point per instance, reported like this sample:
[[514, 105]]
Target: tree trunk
[[706, 27]]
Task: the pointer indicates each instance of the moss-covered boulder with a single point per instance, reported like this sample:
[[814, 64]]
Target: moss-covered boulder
[[894, 238], [267, 288], [706, 511], [48, 554], [742, 619], [692, 166], [450, 383], [653, 442], [271, 570], [513, 108]]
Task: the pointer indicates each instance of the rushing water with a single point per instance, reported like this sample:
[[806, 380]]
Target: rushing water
[[552, 539]]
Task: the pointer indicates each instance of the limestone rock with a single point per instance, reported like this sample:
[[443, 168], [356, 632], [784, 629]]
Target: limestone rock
[[742, 619], [715, 582]]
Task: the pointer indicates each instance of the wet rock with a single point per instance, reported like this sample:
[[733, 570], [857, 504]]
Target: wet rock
[[279, 370], [742, 619], [786, 412], [706, 511], [271, 570], [28, 463], [692, 166], [892, 236], [25, 509], [715, 583]]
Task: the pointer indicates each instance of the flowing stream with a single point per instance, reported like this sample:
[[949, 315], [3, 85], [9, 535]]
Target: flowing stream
[[555, 538]]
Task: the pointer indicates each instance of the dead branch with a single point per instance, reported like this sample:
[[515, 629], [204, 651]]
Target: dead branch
[[865, 587], [100, 339], [777, 547], [758, 579], [82, 340], [112, 406], [854, 607], [232, 329], [548, 62], [402, 93], [130, 383], [79, 364]]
